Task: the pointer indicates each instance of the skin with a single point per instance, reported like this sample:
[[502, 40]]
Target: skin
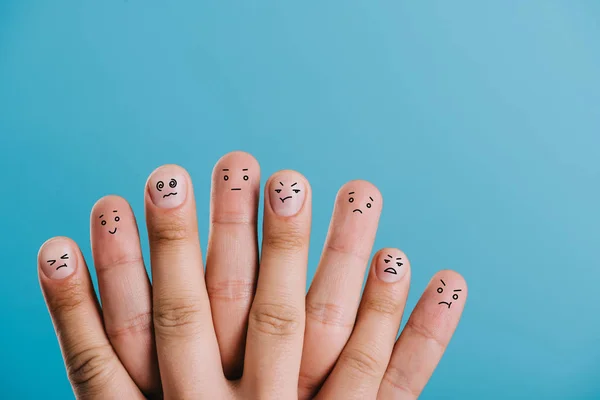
[[246, 329]]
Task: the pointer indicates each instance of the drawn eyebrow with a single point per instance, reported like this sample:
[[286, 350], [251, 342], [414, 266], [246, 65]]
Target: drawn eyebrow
[[458, 290], [244, 169], [443, 282], [294, 184], [114, 210], [101, 215], [225, 169], [371, 198], [281, 183], [351, 193], [399, 258], [390, 256]]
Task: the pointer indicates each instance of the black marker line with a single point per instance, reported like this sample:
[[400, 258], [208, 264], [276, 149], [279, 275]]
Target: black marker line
[[458, 290], [371, 198], [351, 193], [443, 282], [294, 184], [236, 188], [244, 169], [101, 216], [225, 169]]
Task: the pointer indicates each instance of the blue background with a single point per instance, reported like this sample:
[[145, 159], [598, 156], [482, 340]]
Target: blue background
[[480, 123]]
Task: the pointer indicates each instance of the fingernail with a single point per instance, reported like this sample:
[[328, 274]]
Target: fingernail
[[57, 259], [167, 186], [287, 193], [391, 267]]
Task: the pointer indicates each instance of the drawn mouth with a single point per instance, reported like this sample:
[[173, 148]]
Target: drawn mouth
[[112, 233], [445, 302], [170, 194], [236, 188], [285, 198], [355, 210], [390, 270], [61, 266]]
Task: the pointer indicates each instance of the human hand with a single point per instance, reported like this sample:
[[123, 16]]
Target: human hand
[[231, 318]]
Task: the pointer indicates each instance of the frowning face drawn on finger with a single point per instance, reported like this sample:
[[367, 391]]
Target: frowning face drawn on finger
[[448, 295], [359, 207], [110, 221]]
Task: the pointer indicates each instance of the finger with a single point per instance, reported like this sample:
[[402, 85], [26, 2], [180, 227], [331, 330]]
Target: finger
[[276, 323], [232, 256], [125, 290], [93, 367], [360, 368], [187, 348], [425, 337], [334, 294]]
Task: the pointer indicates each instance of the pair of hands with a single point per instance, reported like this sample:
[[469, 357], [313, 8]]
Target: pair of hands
[[244, 329]]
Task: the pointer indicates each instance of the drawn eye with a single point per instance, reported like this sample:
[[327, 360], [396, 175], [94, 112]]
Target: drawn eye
[[368, 205], [160, 185], [455, 296], [226, 178], [103, 222], [173, 183], [64, 257], [386, 261], [399, 264], [117, 219], [440, 290], [278, 190], [246, 177], [351, 199], [51, 262], [296, 190]]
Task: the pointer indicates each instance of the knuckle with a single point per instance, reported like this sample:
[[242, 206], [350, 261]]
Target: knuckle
[[287, 239], [231, 290], [361, 363], [90, 369], [384, 306], [169, 232], [177, 316], [66, 300], [327, 314], [275, 319], [398, 380], [424, 332], [138, 323]]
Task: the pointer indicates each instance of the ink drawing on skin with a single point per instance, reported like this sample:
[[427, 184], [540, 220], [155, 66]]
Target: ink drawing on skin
[[392, 270], [287, 195], [351, 200], [160, 185], [115, 219], [245, 177], [440, 290], [64, 263]]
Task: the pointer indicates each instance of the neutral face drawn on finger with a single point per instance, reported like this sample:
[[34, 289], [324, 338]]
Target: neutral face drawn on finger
[[110, 221], [359, 207], [236, 179], [449, 294]]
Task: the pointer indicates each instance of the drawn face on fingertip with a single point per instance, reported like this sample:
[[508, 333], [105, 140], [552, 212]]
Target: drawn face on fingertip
[[236, 179], [448, 295], [110, 221], [287, 193], [360, 208], [57, 259], [392, 264], [171, 190]]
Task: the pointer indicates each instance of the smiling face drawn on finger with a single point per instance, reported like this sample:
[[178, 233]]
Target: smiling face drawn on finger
[[359, 207], [444, 291], [394, 263], [236, 180], [60, 263], [170, 191], [110, 221]]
